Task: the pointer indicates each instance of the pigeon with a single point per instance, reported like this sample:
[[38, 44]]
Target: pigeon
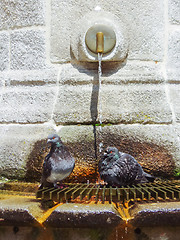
[[58, 163], [121, 169]]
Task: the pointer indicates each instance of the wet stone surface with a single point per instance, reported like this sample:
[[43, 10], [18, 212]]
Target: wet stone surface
[[84, 215], [35, 233], [22, 210], [23, 217], [16, 210], [156, 214]]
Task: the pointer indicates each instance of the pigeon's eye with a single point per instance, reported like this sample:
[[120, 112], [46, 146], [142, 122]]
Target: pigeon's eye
[[53, 137], [110, 151]]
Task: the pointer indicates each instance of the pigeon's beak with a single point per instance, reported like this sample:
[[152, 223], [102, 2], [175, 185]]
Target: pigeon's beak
[[48, 141], [105, 153]]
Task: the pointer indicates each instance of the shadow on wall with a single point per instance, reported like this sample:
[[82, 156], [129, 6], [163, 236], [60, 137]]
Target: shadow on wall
[[83, 152], [153, 158], [35, 161]]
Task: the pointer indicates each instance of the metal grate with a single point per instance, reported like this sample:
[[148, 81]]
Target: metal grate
[[86, 192]]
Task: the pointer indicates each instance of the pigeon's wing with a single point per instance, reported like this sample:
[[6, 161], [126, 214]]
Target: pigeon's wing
[[46, 167], [132, 170], [117, 173], [46, 171], [63, 153], [62, 162]]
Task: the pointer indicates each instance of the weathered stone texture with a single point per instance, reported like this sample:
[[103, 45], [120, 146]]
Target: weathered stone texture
[[120, 104], [86, 215], [134, 96], [4, 51], [31, 78], [164, 215], [16, 144], [156, 147], [3, 78], [174, 11], [136, 103], [142, 20], [174, 92], [173, 63], [1, 84], [27, 105], [23, 148], [112, 73], [177, 129], [73, 104], [21, 13], [132, 72], [80, 141], [27, 50]]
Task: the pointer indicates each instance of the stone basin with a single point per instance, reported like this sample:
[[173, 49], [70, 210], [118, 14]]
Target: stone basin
[[21, 214]]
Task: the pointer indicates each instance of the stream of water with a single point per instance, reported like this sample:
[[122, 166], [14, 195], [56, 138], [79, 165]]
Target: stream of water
[[100, 100]]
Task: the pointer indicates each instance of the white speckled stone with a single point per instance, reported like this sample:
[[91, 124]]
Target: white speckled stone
[[27, 50], [32, 78], [112, 73], [27, 104], [174, 93], [132, 103], [142, 20], [21, 13], [16, 144], [4, 51], [173, 63], [174, 11]]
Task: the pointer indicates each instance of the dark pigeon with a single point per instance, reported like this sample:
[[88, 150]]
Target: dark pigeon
[[58, 164], [121, 169]]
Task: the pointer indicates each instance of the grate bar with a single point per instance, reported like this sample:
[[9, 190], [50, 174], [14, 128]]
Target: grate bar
[[84, 192], [103, 194], [139, 192], [97, 194], [77, 191], [91, 192]]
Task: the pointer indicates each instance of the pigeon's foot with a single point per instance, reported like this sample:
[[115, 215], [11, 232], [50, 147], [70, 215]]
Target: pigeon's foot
[[101, 182], [46, 185], [60, 185]]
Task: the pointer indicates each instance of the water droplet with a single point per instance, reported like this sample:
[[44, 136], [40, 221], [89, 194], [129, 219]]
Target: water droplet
[[97, 8]]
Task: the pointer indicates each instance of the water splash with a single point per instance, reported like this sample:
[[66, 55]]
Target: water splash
[[100, 100]]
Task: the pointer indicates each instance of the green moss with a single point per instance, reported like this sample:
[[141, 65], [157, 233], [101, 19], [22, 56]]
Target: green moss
[[177, 172], [97, 124], [103, 124]]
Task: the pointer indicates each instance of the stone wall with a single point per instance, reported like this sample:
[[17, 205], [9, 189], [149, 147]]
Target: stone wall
[[44, 88]]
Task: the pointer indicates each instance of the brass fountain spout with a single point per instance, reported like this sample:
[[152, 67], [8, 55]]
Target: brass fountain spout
[[99, 42]]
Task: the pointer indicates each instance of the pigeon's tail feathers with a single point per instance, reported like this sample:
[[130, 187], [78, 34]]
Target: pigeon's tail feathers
[[149, 177]]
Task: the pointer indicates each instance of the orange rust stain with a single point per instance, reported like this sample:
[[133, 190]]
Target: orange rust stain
[[123, 231], [45, 215], [83, 173], [123, 211]]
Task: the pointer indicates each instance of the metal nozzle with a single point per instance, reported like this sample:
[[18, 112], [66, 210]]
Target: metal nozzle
[[99, 42]]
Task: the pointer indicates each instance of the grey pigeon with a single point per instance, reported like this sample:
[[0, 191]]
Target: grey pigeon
[[121, 169], [58, 164]]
